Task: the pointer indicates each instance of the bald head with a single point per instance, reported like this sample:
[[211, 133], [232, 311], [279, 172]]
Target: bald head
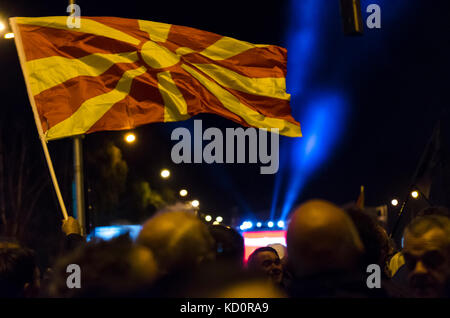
[[178, 240], [322, 238]]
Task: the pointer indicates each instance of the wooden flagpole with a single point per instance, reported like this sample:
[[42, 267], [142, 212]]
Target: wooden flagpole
[[42, 137]]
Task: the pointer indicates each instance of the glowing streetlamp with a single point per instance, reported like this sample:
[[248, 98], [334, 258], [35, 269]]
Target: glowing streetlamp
[[165, 173], [183, 193], [415, 194], [219, 219], [394, 202], [195, 203], [130, 138], [208, 218]]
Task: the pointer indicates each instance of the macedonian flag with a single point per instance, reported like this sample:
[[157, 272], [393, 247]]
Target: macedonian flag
[[115, 74]]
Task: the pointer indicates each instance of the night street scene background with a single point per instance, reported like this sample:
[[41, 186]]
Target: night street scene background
[[367, 106]]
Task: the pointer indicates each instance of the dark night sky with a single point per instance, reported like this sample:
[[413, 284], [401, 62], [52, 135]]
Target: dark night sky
[[396, 82]]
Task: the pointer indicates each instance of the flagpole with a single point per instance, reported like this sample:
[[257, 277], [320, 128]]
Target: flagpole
[[79, 182], [78, 175], [42, 137]]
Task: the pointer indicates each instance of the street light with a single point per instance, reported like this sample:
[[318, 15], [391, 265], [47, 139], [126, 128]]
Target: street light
[[183, 193], [195, 203], [415, 194], [165, 173], [394, 202], [130, 138], [270, 224], [219, 219], [208, 218]]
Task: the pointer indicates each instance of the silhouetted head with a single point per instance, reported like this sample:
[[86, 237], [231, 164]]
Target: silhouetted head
[[179, 240], [19, 274], [115, 268], [434, 210], [265, 260], [322, 238], [427, 255], [228, 244], [377, 245]]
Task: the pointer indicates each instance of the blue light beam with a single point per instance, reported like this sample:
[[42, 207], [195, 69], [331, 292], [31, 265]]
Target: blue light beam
[[323, 123]]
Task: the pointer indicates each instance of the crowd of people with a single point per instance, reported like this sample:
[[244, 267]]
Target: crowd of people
[[329, 250]]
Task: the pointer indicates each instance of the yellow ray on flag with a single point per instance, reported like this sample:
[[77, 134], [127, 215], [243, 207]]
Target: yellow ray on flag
[[87, 26], [252, 117], [51, 71], [175, 106], [93, 109], [264, 86], [157, 31], [227, 47]]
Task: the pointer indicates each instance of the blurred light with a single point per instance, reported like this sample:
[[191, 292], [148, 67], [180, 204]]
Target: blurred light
[[259, 224], [219, 219], [208, 218], [183, 193], [415, 194], [195, 203], [130, 138], [394, 202], [9, 35], [165, 173], [216, 223], [270, 224], [280, 224], [109, 232], [2, 26], [246, 225]]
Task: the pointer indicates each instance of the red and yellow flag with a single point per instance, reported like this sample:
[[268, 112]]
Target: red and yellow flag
[[115, 73]]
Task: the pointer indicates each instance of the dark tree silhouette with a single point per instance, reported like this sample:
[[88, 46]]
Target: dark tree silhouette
[[23, 180]]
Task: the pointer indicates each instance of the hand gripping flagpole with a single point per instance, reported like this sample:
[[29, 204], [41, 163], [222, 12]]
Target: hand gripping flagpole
[[42, 136]]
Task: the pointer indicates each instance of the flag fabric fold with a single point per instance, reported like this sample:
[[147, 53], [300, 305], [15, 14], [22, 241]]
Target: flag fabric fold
[[117, 74]]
